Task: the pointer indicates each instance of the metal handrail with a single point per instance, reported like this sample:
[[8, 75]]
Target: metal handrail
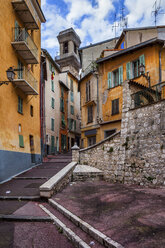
[[25, 74], [20, 34]]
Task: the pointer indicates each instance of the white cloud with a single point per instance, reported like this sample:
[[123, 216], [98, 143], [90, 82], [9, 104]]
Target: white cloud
[[93, 23]]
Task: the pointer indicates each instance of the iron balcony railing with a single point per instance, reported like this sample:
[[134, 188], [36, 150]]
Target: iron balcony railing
[[25, 80], [148, 95], [27, 13], [20, 34]]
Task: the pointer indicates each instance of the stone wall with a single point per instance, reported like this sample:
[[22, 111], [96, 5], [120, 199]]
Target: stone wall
[[137, 154], [104, 156], [143, 139]]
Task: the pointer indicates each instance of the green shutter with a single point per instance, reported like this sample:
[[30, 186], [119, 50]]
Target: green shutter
[[52, 102], [63, 121], [71, 96], [128, 69], [20, 70], [50, 66], [16, 30], [142, 60], [120, 75], [109, 80], [62, 92], [21, 143], [71, 85], [52, 124], [52, 85], [72, 110]]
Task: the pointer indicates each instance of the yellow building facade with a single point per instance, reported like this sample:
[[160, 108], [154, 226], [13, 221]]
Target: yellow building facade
[[113, 71], [19, 100]]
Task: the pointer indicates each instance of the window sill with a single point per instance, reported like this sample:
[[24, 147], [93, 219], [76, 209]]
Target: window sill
[[114, 87], [20, 113], [115, 113]]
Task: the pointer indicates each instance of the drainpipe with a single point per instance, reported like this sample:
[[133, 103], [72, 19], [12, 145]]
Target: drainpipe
[[160, 63]]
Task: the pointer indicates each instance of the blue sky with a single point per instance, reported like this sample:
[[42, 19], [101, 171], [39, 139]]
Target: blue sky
[[93, 20]]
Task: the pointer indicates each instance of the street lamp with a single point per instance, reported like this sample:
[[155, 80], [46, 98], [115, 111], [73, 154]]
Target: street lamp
[[10, 75], [142, 72]]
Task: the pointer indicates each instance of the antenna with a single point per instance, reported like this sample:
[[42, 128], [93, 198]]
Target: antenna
[[115, 25], [157, 10], [123, 19]]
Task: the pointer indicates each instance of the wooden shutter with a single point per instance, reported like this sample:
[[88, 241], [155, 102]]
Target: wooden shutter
[[16, 33], [74, 124], [52, 124], [21, 143], [109, 80], [120, 75], [128, 70], [52, 85], [71, 85], [142, 60], [115, 106]]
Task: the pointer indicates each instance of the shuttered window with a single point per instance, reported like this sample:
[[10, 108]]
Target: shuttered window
[[63, 121], [20, 105], [52, 124], [52, 85], [120, 75], [88, 91], [142, 60], [52, 144], [90, 113], [71, 85], [115, 106], [109, 80], [21, 142], [72, 109], [128, 70], [52, 102], [71, 96], [61, 104]]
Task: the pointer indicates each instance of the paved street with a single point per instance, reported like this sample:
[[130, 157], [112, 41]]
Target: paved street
[[16, 229], [134, 216]]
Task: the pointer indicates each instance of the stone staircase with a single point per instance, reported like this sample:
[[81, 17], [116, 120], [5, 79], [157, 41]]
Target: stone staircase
[[80, 233]]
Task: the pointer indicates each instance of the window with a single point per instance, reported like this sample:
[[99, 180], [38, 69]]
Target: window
[[75, 125], [115, 106], [122, 45], [63, 142], [71, 124], [52, 103], [20, 105], [52, 85], [108, 133], [21, 143], [90, 113], [132, 68], [65, 47], [61, 104], [63, 121], [88, 91], [115, 78], [52, 144], [72, 109], [91, 140], [71, 91], [31, 110], [52, 124], [20, 70], [75, 48]]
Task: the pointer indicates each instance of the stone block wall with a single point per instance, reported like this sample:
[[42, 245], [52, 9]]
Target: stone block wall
[[137, 154], [104, 156]]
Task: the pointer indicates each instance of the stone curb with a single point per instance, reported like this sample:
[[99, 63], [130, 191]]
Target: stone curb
[[47, 189], [99, 236], [26, 218], [24, 198], [79, 243]]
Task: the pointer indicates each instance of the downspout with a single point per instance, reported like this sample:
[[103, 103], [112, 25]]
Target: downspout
[[160, 62]]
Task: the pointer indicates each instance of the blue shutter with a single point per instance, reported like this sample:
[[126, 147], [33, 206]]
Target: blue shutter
[[120, 75], [109, 80]]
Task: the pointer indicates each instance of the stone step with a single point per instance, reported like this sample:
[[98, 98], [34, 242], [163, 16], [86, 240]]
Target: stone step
[[98, 236], [83, 172], [66, 226]]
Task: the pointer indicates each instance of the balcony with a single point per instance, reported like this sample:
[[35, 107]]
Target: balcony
[[26, 81], [27, 13], [25, 46]]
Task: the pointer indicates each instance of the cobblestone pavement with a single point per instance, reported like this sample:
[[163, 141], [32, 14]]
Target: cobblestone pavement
[[134, 216]]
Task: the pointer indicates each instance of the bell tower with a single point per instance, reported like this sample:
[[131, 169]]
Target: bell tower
[[69, 58]]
